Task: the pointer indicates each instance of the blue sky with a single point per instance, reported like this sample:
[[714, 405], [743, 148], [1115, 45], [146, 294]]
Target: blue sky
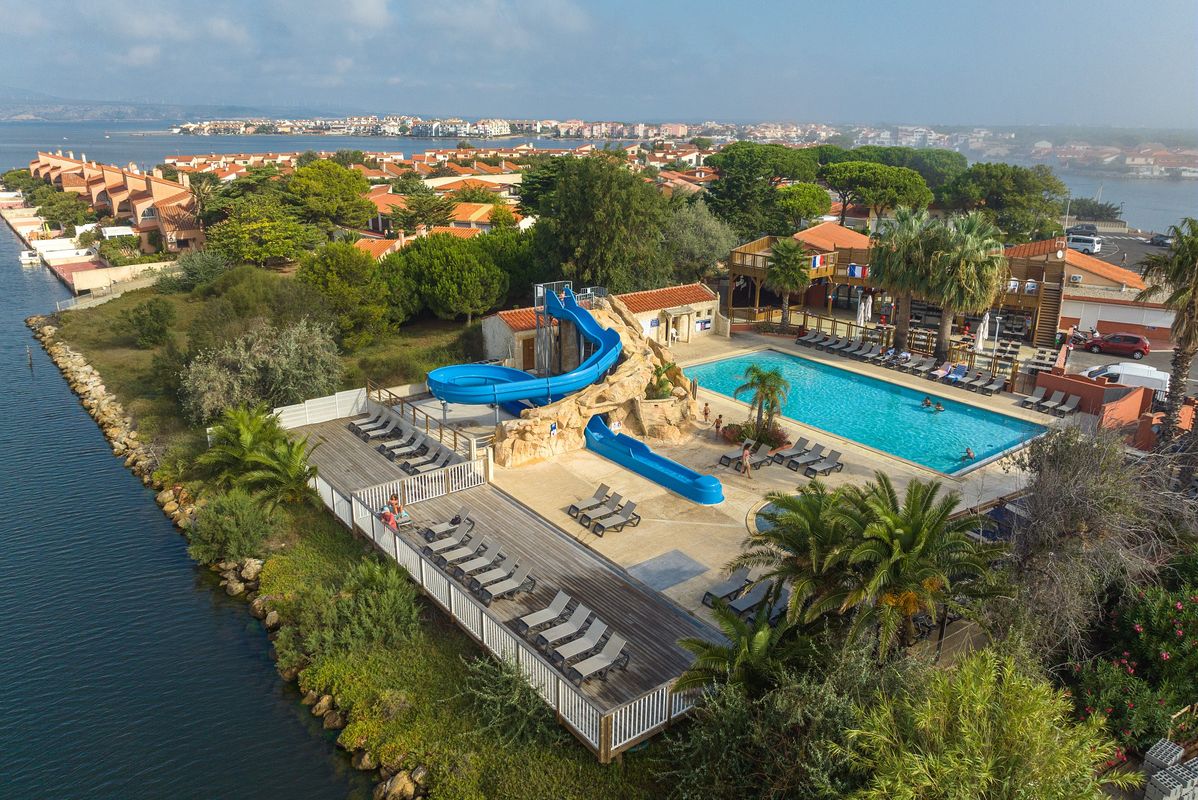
[[963, 62]]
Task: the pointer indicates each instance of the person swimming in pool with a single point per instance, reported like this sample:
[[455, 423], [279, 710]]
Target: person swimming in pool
[[938, 407], [927, 402], [969, 456]]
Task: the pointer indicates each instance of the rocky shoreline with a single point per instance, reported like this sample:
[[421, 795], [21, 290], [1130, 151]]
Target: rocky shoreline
[[238, 579]]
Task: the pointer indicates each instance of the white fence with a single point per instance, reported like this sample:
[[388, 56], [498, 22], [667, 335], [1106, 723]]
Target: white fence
[[606, 734], [437, 483], [343, 404]]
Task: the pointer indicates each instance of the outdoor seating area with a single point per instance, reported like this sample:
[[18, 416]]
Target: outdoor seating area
[[477, 562], [605, 511], [1058, 403], [401, 443], [576, 641], [812, 459]]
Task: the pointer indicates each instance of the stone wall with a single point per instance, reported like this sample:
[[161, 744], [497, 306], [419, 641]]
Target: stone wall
[[621, 396]]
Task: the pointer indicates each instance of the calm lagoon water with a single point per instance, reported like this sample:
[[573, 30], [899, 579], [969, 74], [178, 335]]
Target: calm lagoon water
[[876, 413], [126, 673]]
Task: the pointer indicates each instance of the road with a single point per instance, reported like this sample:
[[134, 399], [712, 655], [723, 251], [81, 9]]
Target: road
[[1126, 250]]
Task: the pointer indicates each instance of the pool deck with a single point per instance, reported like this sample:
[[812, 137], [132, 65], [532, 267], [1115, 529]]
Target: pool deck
[[676, 530]]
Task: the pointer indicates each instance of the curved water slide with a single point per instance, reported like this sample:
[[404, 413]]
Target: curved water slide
[[485, 384]]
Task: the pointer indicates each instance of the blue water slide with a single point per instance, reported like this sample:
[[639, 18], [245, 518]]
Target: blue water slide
[[484, 384]]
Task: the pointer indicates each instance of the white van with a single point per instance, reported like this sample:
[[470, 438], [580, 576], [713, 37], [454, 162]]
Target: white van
[[1128, 373], [1085, 244]]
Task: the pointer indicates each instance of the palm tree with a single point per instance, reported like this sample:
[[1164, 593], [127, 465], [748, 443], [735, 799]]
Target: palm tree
[[769, 390], [900, 261], [752, 657], [805, 538], [282, 475], [789, 272], [241, 434], [969, 271], [913, 556], [202, 191], [660, 385], [1173, 276]]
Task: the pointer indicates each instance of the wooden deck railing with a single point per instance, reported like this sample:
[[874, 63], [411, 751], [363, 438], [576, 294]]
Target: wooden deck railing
[[408, 410]]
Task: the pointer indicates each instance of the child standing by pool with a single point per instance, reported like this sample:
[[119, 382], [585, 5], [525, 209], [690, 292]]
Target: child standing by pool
[[719, 423], [746, 462], [706, 412]]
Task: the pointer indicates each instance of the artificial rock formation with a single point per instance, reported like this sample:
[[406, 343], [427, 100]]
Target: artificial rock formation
[[621, 397]]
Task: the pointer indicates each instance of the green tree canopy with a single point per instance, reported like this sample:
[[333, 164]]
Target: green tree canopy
[[901, 260], [1082, 208], [702, 142], [354, 288], [694, 239], [456, 280], [328, 194], [260, 231], [768, 390], [801, 202], [475, 194], [879, 186], [427, 210], [745, 193], [64, 210], [347, 158], [1022, 201], [789, 271], [410, 183], [968, 271]]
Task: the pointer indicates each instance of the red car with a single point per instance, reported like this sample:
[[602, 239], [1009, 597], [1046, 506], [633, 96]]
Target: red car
[[1120, 344]]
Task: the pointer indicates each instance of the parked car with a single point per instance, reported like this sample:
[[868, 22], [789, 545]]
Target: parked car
[[1126, 373], [1084, 243], [1120, 344], [1083, 229], [1161, 240]]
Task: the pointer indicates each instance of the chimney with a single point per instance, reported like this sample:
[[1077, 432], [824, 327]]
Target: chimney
[[185, 179], [70, 154], [157, 173], [83, 157]]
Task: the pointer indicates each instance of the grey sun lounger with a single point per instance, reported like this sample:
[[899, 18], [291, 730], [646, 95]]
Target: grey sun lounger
[[731, 455], [563, 630], [854, 346], [924, 369], [727, 588], [436, 455], [824, 466], [796, 449], [448, 543], [496, 574], [595, 500], [810, 457], [616, 522], [1052, 402], [1035, 398], [476, 546], [391, 431], [441, 463], [597, 666], [546, 615], [413, 451], [867, 353], [491, 557], [581, 646], [606, 508], [760, 458], [1068, 407], [829, 343], [778, 608], [916, 364], [376, 421], [448, 527], [995, 385], [398, 444], [738, 464], [520, 581], [809, 337], [750, 600], [973, 383], [843, 344]]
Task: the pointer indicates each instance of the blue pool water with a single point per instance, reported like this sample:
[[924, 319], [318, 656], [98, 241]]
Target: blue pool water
[[877, 413]]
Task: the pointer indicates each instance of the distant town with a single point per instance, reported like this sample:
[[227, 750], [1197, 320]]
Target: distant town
[[1143, 160]]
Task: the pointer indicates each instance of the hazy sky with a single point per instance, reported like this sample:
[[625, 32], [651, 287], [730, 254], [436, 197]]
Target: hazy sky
[[959, 62]]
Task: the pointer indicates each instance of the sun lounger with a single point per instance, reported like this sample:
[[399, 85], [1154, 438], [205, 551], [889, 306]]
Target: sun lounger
[[451, 541], [545, 616], [940, 371], [728, 588], [853, 347], [607, 508], [597, 666], [822, 339], [867, 353], [843, 344], [441, 463], [410, 453], [882, 355], [616, 522], [521, 581], [391, 431], [995, 385], [824, 466], [491, 557], [585, 505], [582, 645], [738, 465], [1068, 407], [1052, 402], [563, 630], [750, 600], [829, 343], [476, 546], [494, 575], [778, 607], [917, 366], [797, 449], [446, 528], [1035, 398], [412, 465], [810, 337], [810, 457], [368, 424], [761, 457], [731, 455], [957, 374], [398, 444], [981, 379]]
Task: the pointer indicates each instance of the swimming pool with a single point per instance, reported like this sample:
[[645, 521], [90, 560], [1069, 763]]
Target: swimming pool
[[876, 413]]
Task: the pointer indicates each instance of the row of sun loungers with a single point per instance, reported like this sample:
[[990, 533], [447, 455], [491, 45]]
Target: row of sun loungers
[[409, 448], [1057, 403], [605, 511], [571, 638], [476, 561], [743, 597], [813, 460]]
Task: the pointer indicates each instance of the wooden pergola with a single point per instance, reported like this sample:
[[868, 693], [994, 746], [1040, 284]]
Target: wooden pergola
[[751, 261]]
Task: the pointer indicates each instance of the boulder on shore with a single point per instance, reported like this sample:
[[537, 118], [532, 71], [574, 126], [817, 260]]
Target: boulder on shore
[[399, 786], [322, 706]]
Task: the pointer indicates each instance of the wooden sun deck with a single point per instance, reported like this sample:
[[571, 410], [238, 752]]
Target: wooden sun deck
[[650, 622]]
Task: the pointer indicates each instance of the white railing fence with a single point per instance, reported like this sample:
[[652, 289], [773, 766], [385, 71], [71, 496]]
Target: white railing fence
[[349, 403], [438, 483]]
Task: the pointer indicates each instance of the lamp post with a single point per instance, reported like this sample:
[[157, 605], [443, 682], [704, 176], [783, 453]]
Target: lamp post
[[997, 330]]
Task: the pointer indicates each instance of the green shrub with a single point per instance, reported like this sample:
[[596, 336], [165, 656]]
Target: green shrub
[[772, 436], [195, 269], [507, 706], [232, 526], [1159, 628], [150, 322], [1136, 714]]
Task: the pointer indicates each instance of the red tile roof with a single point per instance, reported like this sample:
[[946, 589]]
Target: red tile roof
[[829, 236], [1101, 268], [519, 319], [1043, 247], [657, 299], [461, 233], [384, 200], [377, 247]]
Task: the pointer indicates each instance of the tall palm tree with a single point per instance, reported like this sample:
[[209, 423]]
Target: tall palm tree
[[751, 657], [899, 260], [969, 270], [804, 539], [202, 191], [240, 434], [789, 272], [282, 475], [769, 390], [912, 557], [1172, 277]]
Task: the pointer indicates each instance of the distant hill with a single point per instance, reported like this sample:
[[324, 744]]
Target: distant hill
[[17, 104]]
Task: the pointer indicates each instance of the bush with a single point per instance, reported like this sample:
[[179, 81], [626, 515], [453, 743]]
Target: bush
[[508, 707], [772, 435], [122, 251], [150, 322], [232, 526], [195, 269], [1136, 714], [267, 365], [245, 298], [1159, 628]]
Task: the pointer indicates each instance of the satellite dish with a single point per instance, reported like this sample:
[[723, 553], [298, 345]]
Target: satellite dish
[[1060, 254]]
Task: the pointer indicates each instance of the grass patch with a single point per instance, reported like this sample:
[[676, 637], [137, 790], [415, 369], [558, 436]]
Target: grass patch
[[419, 347], [409, 705]]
